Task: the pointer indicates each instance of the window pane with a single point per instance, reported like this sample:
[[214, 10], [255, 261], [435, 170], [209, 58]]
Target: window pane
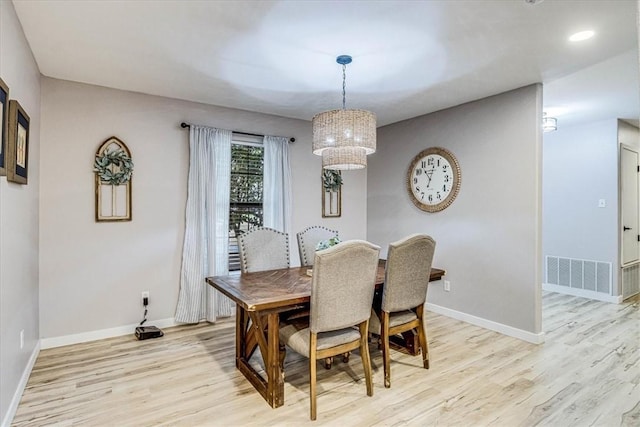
[[245, 208]]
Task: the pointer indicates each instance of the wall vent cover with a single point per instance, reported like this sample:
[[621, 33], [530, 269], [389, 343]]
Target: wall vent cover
[[579, 274], [630, 280]]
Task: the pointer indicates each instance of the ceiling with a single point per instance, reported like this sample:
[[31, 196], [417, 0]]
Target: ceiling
[[409, 57]]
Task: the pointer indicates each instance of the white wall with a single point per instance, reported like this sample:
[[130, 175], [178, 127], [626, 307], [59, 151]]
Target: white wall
[[92, 273], [580, 167], [18, 223], [488, 240]]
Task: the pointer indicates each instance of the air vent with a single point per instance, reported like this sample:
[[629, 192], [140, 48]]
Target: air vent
[[579, 274], [630, 281]]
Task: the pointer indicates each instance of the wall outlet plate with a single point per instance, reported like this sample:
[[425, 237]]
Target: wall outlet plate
[[447, 285]]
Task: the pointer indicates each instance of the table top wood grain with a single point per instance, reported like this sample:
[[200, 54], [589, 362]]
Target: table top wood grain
[[278, 289]]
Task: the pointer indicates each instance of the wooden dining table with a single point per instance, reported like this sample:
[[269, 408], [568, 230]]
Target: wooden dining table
[[260, 299]]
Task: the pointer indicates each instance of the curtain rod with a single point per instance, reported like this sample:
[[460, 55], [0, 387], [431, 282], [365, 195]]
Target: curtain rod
[[186, 125]]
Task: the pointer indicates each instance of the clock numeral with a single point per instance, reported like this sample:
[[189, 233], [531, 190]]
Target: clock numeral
[[444, 187], [438, 196], [417, 189], [438, 162], [418, 172], [429, 161], [423, 164], [415, 180], [422, 195], [446, 178], [430, 197], [444, 168]]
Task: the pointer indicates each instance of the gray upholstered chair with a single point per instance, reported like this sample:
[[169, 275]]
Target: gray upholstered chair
[[341, 296], [262, 249], [309, 238], [404, 294]]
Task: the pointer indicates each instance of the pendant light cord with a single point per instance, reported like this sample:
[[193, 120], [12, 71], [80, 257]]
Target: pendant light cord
[[344, 86]]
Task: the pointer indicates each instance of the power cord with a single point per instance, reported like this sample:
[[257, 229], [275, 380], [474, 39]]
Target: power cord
[[145, 302]]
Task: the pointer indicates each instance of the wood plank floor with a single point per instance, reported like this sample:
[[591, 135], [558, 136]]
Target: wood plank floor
[[587, 373]]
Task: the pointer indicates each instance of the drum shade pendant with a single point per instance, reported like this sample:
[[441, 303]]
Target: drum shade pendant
[[344, 137]]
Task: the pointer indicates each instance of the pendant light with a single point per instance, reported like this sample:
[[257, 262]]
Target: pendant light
[[344, 137]]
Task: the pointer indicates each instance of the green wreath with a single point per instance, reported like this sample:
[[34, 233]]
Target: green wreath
[[331, 180], [113, 167]]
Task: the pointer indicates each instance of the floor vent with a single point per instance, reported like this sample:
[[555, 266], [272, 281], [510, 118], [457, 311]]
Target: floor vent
[[579, 274], [630, 280]]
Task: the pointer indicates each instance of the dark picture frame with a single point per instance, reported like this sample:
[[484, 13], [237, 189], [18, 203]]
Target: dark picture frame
[[4, 125], [17, 161]]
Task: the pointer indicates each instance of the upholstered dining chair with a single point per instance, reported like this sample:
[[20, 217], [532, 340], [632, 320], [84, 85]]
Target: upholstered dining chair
[[404, 294], [309, 238], [342, 289], [263, 248]]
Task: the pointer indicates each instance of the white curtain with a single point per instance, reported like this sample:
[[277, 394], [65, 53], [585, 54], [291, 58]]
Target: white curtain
[[206, 240], [276, 199]]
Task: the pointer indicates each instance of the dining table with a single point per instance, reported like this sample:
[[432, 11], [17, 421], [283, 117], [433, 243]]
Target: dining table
[[261, 298]]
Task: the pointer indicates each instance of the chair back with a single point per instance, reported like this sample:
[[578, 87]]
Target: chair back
[[309, 238], [407, 273], [262, 249], [342, 287]]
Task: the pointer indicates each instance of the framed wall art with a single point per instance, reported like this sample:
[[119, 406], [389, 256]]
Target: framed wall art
[[17, 160], [113, 168], [4, 124], [331, 193]]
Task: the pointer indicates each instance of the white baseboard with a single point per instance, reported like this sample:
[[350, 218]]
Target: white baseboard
[[101, 334], [15, 401], [616, 299], [488, 324]]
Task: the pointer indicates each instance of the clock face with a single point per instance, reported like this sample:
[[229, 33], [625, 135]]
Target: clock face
[[433, 179]]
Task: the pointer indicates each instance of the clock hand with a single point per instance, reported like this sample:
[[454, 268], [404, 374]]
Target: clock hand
[[429, 175]]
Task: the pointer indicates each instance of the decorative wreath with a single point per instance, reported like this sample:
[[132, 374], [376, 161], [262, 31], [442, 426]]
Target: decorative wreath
[[331, 180], [114, 167]]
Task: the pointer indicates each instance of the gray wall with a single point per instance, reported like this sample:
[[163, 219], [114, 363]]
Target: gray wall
[[488, 240], [580, 167], [92, 273], [18, 222], [628, 134]]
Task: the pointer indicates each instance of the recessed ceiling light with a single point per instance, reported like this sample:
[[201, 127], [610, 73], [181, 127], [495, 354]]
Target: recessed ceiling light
[[582, 35]]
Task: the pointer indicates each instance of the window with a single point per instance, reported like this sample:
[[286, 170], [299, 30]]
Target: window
[[245, 201]]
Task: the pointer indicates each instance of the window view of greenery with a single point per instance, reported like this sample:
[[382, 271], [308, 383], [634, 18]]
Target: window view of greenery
[[245, 207]]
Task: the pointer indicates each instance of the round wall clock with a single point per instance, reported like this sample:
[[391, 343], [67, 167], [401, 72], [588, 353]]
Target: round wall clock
[[433, 179]]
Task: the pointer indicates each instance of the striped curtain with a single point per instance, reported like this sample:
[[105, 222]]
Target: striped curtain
[[206, 239]]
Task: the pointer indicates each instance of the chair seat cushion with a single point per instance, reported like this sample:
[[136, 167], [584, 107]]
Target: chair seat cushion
[[395, 319], [297, 336]]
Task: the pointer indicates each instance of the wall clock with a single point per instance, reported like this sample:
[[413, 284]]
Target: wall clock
[[433, 179]]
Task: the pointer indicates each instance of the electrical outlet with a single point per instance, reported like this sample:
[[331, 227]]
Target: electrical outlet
[[447, 285], [145, 296], [21, 339], [602, 203]]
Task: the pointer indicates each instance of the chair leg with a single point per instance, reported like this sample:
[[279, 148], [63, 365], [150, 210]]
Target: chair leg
[[345, 357], [327, 362], [422, 336], [312, 373], [282, 354], [384, 336], [366, 357]]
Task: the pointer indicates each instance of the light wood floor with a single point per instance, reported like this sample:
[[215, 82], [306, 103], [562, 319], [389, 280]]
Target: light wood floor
[[587, 373]]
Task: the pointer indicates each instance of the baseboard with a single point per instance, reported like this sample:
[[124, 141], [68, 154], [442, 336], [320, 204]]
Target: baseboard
[[101, 334], [15, 401], [488, 324], [616, 299]]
